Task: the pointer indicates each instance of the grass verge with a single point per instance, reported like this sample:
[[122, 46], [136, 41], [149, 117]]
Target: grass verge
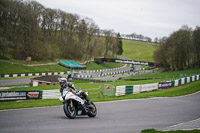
[[15, 67], [177, 131], [170, 92], [107, 65], [170, 75]]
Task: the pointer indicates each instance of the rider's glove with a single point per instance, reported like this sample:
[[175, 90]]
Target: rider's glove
[[78, 92]]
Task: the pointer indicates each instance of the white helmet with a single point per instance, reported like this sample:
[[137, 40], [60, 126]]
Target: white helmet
[[63, 82]]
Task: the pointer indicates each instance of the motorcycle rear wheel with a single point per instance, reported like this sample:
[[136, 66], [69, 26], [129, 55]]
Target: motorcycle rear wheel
[[70, 110]]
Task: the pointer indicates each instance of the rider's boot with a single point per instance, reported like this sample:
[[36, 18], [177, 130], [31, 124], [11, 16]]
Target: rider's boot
[[88, 102]]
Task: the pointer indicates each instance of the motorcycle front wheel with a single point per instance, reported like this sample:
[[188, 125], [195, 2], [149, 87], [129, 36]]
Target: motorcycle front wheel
[[69, 110], [92, 110]]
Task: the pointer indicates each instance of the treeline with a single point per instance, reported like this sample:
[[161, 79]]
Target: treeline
[[27, 28], [135, 36], [180, 50]]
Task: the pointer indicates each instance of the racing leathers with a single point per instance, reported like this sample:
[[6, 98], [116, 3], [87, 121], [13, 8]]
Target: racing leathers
[[76, 91]]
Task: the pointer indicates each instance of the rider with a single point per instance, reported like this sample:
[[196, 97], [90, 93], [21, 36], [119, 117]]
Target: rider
[[63, 84]]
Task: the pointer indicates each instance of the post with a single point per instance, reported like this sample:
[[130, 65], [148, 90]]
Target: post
[[99, 91]]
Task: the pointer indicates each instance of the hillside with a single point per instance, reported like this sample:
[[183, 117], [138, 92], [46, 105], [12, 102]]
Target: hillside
[[137, 50], [18, 67]]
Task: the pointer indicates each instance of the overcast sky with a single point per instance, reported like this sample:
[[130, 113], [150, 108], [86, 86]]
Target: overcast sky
[[152, 18]]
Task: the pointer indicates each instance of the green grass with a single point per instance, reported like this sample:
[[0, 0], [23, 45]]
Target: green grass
[[153, 78], [17, 68], [135, 50], [177, 131], [49, 87], [84, 85], [171, 75], [170, 92], [139, 51], [107, 65], [20, 67]]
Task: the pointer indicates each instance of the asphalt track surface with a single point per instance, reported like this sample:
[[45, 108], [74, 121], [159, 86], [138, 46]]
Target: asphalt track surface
[[15, 81], [116, 77], [129, 116]]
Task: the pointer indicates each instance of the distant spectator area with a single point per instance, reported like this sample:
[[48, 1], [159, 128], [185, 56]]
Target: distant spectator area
[[71, 65], [45, 80]]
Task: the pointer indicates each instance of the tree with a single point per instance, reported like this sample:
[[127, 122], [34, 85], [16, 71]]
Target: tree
[[110, 44], [177, 51], [27, 28], [196, 44], [156, 40], [119, 44]]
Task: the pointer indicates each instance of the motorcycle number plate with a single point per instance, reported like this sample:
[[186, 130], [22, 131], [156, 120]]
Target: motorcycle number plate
[[64, 92], [79, 112]]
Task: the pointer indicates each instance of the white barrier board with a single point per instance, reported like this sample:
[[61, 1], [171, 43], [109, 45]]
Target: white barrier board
[[193, 78], [176, 83], [120, 90], [149, 87], [188, 79], [136, 88], [182, 81]]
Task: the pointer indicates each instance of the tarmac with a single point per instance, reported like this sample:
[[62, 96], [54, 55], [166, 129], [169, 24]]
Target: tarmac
[[190, 125]]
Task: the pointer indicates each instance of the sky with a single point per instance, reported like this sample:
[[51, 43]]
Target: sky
[[152, 18]]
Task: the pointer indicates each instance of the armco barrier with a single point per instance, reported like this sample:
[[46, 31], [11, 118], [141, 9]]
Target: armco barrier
[[132, 89]]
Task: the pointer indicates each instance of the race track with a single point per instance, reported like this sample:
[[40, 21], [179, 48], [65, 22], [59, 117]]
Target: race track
[[129, 116]]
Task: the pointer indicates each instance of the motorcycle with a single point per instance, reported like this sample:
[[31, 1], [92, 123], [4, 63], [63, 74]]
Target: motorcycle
[[74, 105]]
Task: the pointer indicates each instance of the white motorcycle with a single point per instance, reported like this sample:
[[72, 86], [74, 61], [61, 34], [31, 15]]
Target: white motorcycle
[[75, 105]]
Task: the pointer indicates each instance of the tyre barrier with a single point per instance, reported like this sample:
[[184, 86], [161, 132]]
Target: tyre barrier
[[91, 80], [133, 89], [34, 74], [59, 73], [101, 70], [103, 74]]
